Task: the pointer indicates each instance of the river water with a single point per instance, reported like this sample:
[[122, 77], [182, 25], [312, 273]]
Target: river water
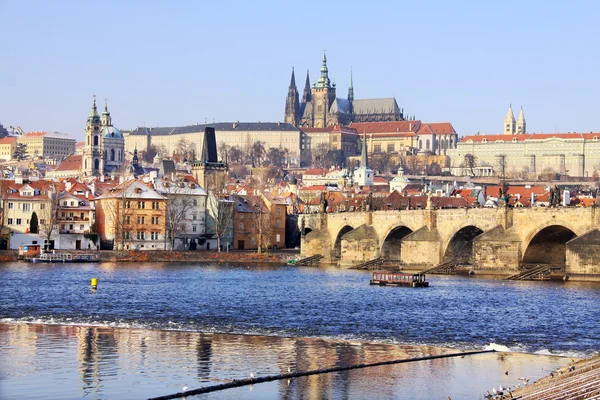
[[149, 329]]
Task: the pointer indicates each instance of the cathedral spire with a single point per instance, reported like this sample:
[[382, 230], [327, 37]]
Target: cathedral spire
[[306, 97], [363, 154], [509, 122], [94, 112], [521, 124], [324, 79], [292, 106], [106, 118], [351, 88], [293, 80]]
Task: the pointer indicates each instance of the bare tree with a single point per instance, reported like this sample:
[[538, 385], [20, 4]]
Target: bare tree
[[220, 210], [118, 212], [261, 224], [186, 149], [223, 151], [470, 162], [48, 223], [179, 203], [319, 154]]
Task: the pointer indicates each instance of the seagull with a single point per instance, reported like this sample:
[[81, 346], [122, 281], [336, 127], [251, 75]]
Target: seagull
[[184, 388], [521, 378], [252, 375], [551, 374], [494, 391], [560, 372], [571, 368], [289, 369], [488, 395]]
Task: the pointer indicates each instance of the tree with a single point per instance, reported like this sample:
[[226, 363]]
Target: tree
[[433, 169], [223, 151], [179, 202], [33, 223], [186, 150], [247, 151], [319, 154], [149, 154], [261, 224], [276, 156], [235, 155], [4, 187], [48, 222], [239, 171], [258, 153], [470, 163], [220, 209], [118, 212], [20, 152]]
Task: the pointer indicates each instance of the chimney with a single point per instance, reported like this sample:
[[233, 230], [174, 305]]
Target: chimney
[[87, 194], [410, 127]]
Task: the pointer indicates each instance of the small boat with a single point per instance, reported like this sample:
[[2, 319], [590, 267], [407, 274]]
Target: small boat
[[398, 279], [64, 258]]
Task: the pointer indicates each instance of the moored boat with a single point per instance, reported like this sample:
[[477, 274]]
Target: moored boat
[[398, 279], [64, 258]]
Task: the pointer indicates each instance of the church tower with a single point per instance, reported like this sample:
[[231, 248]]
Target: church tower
[[323, 94], [363, 175], [509, 122], [292, 106], [351, 90], [306, 95], [91, 162], [521, 124], [106, 119]]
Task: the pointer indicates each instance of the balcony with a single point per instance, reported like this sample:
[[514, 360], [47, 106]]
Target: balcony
[[61, 218]]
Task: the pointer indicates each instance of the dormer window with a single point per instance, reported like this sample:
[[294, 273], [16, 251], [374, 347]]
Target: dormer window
[[514, 140], [484, 140], [595, 137]]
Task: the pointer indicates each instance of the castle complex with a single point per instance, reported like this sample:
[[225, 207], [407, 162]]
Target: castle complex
[[320, 107]]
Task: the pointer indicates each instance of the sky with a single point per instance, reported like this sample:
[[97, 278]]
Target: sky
[[172, 63]]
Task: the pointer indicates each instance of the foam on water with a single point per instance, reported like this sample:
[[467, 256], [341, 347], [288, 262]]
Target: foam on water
[[498, 347]]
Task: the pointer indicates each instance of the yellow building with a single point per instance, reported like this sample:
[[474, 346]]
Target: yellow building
[[48, 144], [7, 148]]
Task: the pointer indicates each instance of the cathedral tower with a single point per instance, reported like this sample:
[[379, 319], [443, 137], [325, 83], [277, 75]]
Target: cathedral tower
[[92, 151], [509, 122], [306, 95], [521, 124], [351, 89], [292, 105], [323, 95]]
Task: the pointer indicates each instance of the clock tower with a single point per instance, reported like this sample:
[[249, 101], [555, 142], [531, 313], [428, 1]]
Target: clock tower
[[92, 162]]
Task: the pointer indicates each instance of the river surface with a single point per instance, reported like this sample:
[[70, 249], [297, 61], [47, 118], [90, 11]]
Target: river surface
[[275, 317]]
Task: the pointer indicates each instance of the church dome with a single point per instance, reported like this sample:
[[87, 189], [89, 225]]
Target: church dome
[[112, 132]]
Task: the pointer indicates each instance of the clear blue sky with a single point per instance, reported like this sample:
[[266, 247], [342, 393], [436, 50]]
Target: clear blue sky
[[175, 62]]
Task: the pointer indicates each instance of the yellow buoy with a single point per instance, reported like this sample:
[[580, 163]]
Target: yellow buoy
[[94, 283]]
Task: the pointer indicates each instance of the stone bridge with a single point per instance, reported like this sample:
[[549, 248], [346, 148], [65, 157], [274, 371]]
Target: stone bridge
[[493, 239]]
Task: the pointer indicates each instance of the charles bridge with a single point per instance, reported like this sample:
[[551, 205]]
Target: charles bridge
[[491, 240]]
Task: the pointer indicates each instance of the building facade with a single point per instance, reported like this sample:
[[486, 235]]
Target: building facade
[[529, 155], [7, 148], [48, 144], [239, 134], [320, 107]]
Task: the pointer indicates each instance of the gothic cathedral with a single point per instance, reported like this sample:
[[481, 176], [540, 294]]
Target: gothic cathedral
[[104, 149], [320, 107]]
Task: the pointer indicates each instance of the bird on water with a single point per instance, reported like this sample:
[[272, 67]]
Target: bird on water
[[252, 375], [184, 388]]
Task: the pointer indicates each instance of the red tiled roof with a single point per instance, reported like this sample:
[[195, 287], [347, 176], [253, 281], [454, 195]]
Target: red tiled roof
[[530, 136], [8, 140], [332, 128], [34, 134], [441, 128], [316, 171], [315, 187], [387, 127], [71, 163]]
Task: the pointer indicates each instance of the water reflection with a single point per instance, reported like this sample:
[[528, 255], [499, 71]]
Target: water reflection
[[102, 362]]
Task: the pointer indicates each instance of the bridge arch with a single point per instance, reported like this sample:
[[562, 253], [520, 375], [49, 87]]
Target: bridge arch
[[391, 243], [547, 245], [336, 252], [460, 245]]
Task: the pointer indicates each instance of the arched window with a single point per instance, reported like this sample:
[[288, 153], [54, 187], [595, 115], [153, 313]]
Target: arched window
[[427, 144], [112, 154], [88, 140], [95, 140], [96, 164], [420, 144], [120, 156]]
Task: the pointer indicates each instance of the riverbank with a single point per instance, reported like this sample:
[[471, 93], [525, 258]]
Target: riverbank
[[278, 257]]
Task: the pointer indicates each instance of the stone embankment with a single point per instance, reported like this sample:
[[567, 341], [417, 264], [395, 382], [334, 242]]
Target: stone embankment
[[579, 380], [175, 256]]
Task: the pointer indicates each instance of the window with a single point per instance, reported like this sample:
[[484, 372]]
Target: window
[[155, 205], [377, 148], [127, 235], [140, 235], [193, 215], [141, 220], [42, 206], [278, 238], [81, 227], [141, 204], [391, 148], [26, 207], [155, 220], [71, 226], [253, 241], [72, 203], [64, 203], [194, 228], [128, 204], [278, 211], [195, 202], [241, 226], [127, 220], [10, 221], [11, 205], [277, 224], [154, 235], [42, 221], [18, 221]]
